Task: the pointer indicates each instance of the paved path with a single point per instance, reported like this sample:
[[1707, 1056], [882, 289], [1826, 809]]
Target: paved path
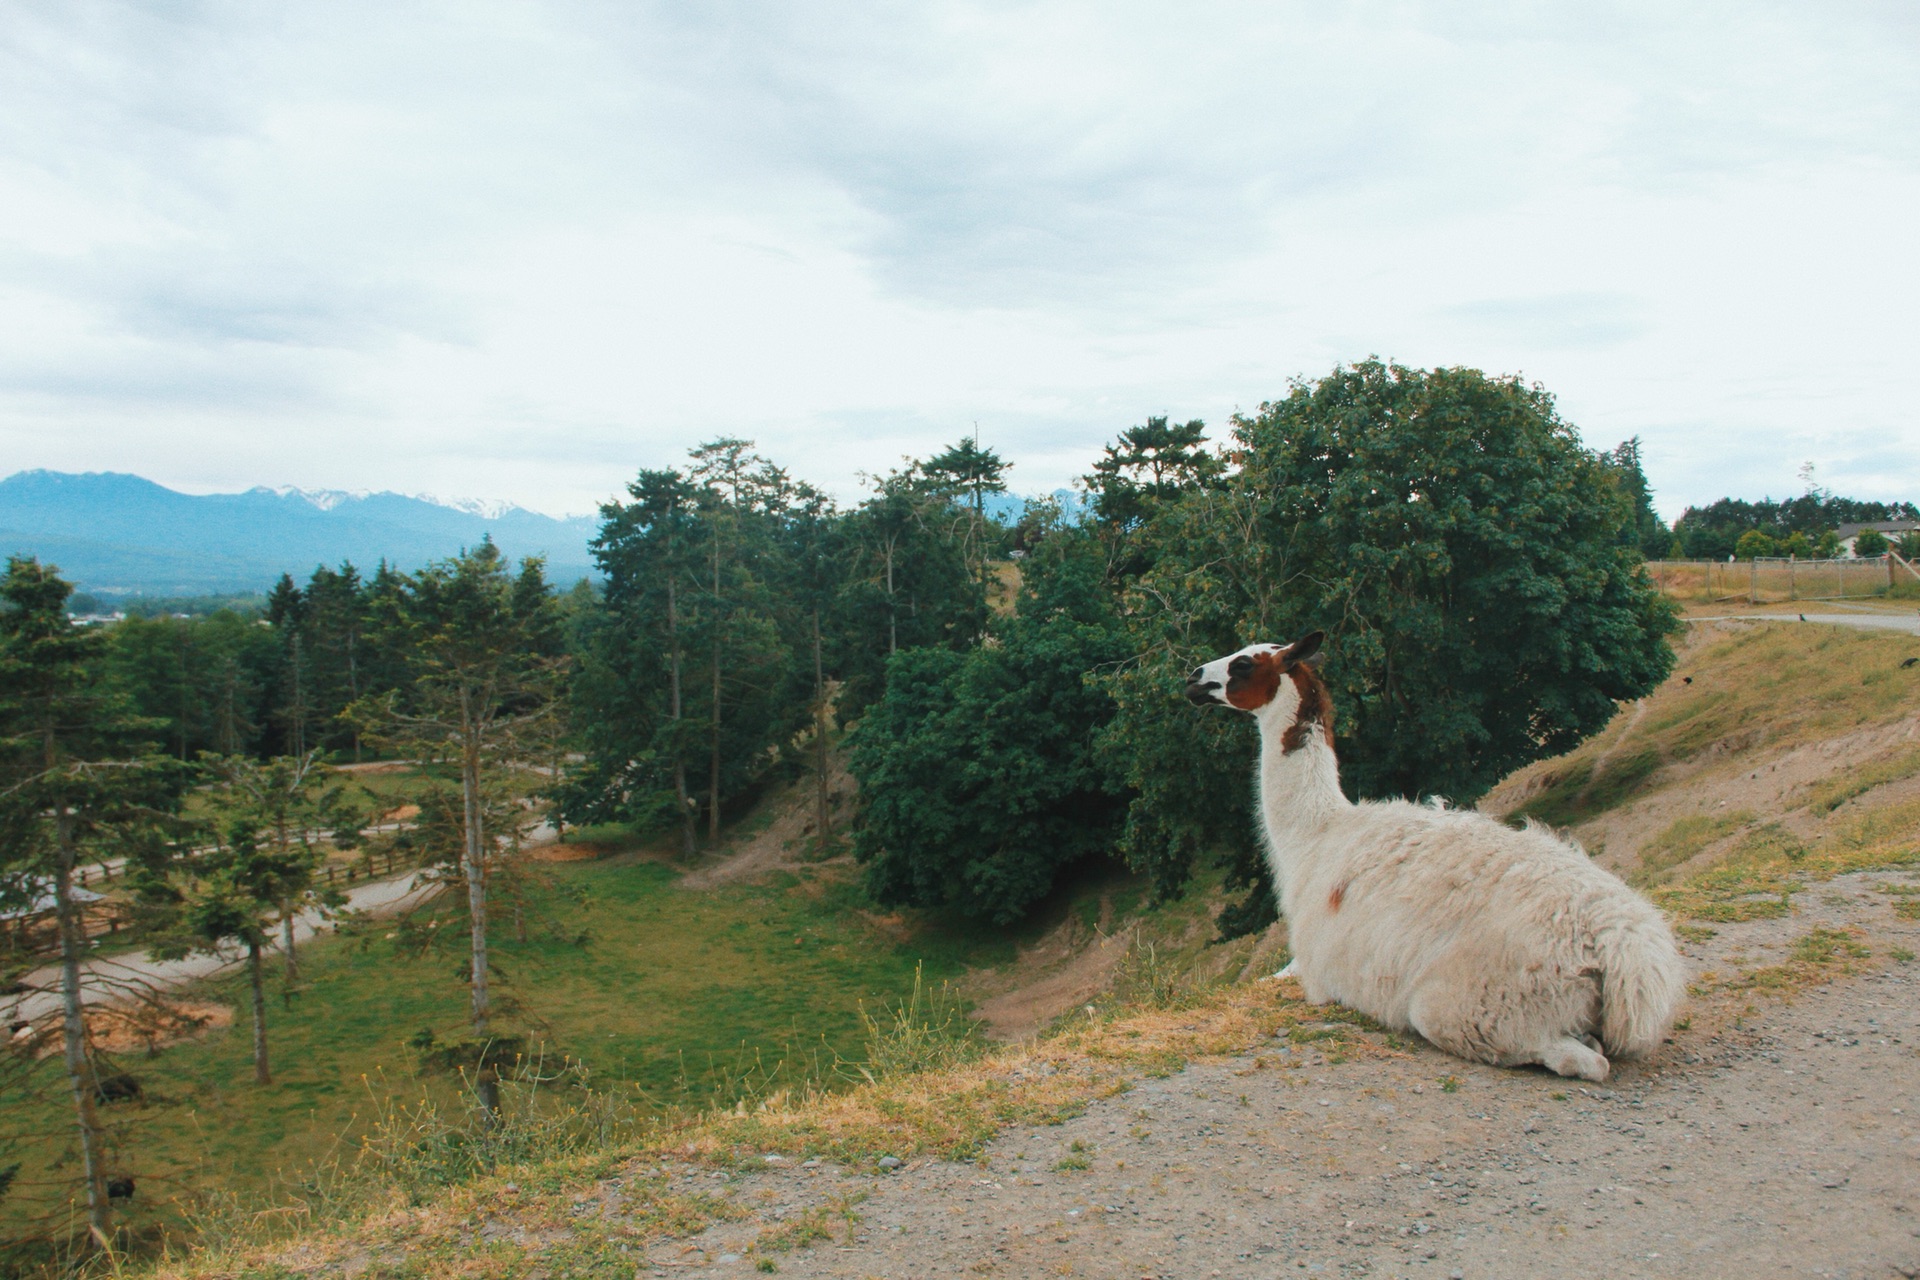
[[1909, 623], [128, 977]]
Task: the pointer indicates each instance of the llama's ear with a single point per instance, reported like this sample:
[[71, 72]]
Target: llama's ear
[[1302, 649]]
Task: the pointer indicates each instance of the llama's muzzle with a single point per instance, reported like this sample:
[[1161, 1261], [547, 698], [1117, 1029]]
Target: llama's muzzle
[[1201, 692]]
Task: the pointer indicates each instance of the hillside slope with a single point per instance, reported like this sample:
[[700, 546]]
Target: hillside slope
[[1195, 1126]]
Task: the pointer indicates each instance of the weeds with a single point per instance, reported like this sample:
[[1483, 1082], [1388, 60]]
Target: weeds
[[811, 1226], [928, 1031], [1814, 958]]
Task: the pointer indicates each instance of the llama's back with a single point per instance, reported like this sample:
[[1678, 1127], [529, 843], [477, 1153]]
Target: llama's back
[[1396, 894]]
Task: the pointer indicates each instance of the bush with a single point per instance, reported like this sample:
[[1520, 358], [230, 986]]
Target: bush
[[978, 779], [1755, 543], [1870, 542]]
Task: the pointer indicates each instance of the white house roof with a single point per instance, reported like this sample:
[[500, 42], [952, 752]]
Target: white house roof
[[1846, 531]]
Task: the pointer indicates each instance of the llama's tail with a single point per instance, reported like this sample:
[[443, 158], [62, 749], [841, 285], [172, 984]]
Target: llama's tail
[[1642, 981]]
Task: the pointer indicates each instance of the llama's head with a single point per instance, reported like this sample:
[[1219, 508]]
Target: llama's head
[[1269, 680]]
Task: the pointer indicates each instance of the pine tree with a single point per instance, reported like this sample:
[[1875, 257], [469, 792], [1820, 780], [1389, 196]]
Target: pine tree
[[78, 778], [486, 675]]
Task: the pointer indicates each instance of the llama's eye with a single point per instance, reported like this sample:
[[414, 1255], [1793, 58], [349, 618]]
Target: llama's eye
[[1240, 666]]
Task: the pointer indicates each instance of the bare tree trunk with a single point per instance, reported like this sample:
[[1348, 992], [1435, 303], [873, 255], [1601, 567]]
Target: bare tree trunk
[[689, 832], [486, 1082], [286, 942], [256, 974], [74, 1025], [286, 907], [713, 772], [713, 781], [893, 610], [823, 816], [299, 702]]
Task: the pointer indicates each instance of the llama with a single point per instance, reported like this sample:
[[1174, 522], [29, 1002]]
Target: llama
[[1496, 945]]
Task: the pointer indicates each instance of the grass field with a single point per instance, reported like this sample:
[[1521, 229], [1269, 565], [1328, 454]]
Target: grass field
[[660, 994]]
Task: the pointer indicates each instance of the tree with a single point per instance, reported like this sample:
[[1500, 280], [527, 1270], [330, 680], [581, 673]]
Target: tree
[[906, 582], [966, 470], [1151, 464], [283, 805], [1870, 542], [1648, 531], [232, 894], [1754, 544], [287, 615], [1467, 558], [632, 691], [743, 499], [486, 676], [77, 776], [978, 777], [811, 534]]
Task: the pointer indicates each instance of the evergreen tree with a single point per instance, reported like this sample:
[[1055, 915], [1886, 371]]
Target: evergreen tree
[[484, 685], [905, 583], [1648, 532], [78, 779]]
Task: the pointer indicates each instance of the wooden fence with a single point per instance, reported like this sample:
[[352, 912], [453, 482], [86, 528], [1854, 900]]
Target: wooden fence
[[1771, 579]]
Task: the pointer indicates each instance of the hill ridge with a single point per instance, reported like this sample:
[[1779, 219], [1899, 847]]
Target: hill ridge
[[112, 531]]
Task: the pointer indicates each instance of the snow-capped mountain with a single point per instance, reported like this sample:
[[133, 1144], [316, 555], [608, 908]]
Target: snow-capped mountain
[[114, 532]]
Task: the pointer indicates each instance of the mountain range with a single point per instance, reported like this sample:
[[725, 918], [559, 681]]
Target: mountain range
[[121, 534]]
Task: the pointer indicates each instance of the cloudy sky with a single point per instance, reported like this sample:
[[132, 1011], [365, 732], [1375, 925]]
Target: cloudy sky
[[520, 250]]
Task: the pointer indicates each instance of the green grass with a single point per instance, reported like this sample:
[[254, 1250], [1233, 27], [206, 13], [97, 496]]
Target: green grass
[[659, 994]]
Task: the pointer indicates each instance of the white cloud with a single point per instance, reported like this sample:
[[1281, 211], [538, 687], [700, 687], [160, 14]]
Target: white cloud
[[522, 250]]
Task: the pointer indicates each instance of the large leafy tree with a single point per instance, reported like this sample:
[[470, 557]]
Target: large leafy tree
[[1472, 564], [78, 779]]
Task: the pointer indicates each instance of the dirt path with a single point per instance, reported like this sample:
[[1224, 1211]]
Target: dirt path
[[1774, 1137], [136, 975]]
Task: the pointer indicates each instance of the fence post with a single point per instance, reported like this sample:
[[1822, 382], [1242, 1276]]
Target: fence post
[[1889, 559], [1793, 582], [1753, 580]]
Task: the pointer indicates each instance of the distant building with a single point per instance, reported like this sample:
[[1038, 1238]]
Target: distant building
[[1894, 529]]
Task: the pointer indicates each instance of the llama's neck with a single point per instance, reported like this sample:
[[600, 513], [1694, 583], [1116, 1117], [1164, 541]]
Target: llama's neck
[[1299, 789]]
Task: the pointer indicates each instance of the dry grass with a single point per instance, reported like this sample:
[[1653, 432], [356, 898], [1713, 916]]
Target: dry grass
[[1760, 688], [582, 1216]]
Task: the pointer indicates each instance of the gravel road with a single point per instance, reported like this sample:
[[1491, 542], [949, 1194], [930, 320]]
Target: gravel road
[[1774, 1137]]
